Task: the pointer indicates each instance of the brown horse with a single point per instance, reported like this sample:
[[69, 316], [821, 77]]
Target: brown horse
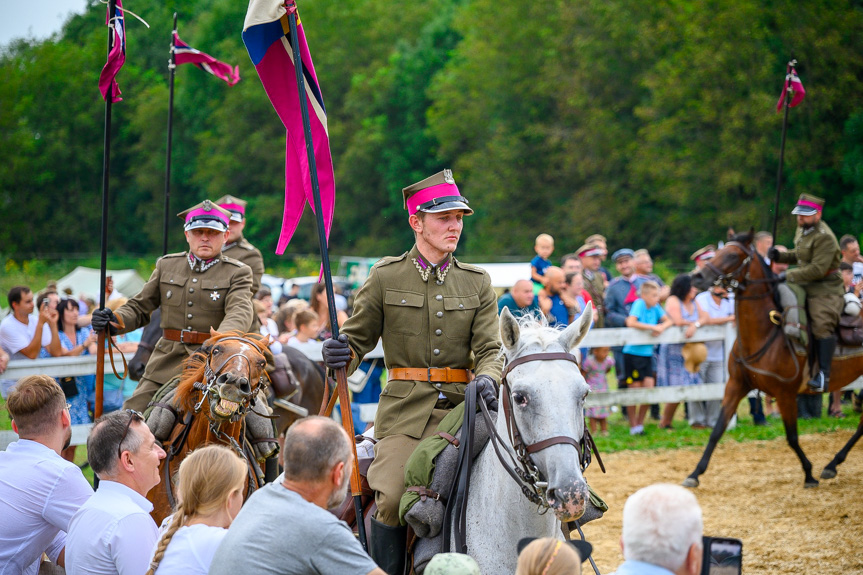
[[763, 357], [219, 385]]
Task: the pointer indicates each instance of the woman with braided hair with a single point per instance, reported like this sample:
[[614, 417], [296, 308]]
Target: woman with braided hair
[[210, 495]]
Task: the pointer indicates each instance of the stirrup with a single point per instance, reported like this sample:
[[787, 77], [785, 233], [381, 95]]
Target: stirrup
[[818, 383]]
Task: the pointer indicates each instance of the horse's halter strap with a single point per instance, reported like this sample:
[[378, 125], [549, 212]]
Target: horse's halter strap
[[208, 386]]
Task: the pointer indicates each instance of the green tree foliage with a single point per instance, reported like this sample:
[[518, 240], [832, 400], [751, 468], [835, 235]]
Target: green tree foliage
[[652, 123]]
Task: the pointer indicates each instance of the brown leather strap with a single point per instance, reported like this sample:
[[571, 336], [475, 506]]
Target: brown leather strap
[[556, 440], [186, 336], [436, 374], [449, 438], [425, 492]]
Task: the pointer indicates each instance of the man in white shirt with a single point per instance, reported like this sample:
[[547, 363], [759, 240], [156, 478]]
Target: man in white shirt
[[39, 490], [18, 330], [113, 532], [721, 311]]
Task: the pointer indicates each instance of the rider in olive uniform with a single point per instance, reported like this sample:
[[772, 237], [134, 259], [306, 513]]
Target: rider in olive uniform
[[816, 253], [438, 321], [196, 290]]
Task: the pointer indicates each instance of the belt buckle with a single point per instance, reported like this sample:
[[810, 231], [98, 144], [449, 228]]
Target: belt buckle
[[429, 375], [182, 336]]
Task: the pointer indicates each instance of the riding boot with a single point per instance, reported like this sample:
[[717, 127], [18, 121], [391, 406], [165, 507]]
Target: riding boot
[[825, 348], [388, 547]]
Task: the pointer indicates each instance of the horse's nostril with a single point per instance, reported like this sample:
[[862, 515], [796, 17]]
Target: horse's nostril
[[222, 379], [244, 386]]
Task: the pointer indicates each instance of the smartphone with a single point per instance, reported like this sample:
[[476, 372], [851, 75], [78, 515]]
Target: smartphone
[[722, 556]]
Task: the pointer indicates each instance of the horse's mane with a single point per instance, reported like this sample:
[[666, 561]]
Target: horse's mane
[[193, 366], [533, 329]]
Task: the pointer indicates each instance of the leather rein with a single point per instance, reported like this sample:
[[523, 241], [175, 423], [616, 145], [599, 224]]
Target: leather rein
[[730, 282]]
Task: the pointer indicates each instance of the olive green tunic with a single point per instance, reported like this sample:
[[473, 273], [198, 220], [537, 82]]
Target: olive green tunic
[[816, 253], [423, 322], [219, 297], [245, 252], [594, 283]]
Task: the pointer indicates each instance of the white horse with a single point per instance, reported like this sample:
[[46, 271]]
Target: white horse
[[547, 398]]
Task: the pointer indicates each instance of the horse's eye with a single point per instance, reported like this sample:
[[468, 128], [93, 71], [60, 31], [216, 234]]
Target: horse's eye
[[519, 398], [217, 350], [261, 364]]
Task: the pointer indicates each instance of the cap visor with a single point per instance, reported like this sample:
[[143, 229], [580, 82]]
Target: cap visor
[[235, 217], [804, 211], [210, 225], [448, 207]]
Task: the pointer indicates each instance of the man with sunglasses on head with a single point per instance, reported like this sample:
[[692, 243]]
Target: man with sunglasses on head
[[113, 531], [39, 490]]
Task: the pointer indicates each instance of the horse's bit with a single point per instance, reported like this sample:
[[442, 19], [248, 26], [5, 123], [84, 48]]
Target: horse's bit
[[209, 386]]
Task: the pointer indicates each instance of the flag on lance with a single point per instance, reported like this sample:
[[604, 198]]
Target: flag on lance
[[117, 56], [266, 34], [792, 81], [185, 54]]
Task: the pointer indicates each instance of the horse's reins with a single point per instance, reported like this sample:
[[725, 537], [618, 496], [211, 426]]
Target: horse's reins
[[518, 465], [729, 281], [208, 386]]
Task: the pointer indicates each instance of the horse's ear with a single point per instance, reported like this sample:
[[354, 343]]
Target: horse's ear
[[575, 332], [509, 332], [213, 332]]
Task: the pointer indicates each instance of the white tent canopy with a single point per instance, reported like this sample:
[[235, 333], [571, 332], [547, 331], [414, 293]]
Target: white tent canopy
[[86, 281]]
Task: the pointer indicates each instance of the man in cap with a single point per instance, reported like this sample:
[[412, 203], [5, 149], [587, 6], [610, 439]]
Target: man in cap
[[702, 256], [238, 247], [816, 253], [602, 242], [591, 259], [196, 290], [438, 321]]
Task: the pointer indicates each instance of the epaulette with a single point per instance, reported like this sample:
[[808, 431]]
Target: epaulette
[[232, 261], [469, 267], [385, 261], [245, 244], [174, 255]]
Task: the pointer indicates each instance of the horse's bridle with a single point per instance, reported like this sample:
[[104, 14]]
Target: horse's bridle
[[525, 472], [209, 386]]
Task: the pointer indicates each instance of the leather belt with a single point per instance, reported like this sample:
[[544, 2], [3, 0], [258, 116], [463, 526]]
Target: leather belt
[[186, 336], [437, 374]]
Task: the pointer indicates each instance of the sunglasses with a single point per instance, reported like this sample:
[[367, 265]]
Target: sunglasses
[[133, 416]]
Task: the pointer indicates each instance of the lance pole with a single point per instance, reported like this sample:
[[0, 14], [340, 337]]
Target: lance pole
[[789, 95], [341, 375], [172, 67], [103, 269]]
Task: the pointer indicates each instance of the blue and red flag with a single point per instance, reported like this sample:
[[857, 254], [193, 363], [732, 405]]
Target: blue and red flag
[[117, 56], [266, 34], [792, 80], [185, 54]]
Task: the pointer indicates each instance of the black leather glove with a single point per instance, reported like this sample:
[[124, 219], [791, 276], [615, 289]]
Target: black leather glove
[[103, 318], [780, 276], [487, 389], [773, 254], [336, 352]]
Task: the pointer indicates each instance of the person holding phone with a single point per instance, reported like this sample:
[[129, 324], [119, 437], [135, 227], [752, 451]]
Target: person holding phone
[[662, 532]]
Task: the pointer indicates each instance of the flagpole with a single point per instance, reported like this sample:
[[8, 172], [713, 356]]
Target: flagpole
[[341, 375], [103, 269], [172, 67], [788, 97]]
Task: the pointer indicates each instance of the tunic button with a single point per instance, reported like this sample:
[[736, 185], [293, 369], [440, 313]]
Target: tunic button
[[437, 332], [436, 352], [437, 385], [191, 290], [190, 304], [172, 281], [440, 283], [438, 297], [194, 280], [189, 316], [439, 314], [404, 301], [461, 305]]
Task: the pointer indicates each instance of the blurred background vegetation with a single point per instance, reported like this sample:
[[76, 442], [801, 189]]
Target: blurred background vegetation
[[653, 123]]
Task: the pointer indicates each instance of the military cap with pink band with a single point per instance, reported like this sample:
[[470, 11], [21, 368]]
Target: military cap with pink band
[[808, 205], [235, 205], [434, 194], [206, 215]]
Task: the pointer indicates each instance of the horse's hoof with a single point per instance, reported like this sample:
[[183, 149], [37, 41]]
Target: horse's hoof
[[690, 482], [810, 483], [828, 473]]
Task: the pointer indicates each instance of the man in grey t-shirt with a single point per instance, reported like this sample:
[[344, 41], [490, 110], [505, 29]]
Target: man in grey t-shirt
[[310, 540]]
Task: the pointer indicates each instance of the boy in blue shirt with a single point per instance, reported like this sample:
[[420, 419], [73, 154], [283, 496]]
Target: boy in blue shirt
[[648, 315], [543, 247]]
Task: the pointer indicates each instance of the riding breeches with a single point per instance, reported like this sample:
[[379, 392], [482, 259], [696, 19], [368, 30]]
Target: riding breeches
[[145, 391], [824, 312], [386, 474]]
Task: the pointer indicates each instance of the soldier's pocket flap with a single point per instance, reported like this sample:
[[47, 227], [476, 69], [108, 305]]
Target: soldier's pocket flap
[[398, 388], [213, 284], [169, 281], [403, 298], [456, 302]]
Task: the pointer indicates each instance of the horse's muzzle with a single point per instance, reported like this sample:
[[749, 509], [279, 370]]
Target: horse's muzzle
[[700, 281], [568, 501]]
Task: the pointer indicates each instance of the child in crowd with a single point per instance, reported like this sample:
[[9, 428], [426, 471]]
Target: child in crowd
[[543, 247], [596, 368], [646, 314], [308, 325]]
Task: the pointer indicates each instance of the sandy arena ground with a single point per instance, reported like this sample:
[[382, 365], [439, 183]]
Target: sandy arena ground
[[752, 491]]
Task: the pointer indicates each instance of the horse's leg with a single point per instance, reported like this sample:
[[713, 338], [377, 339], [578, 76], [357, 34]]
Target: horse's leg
[[829, 472], [787, 403], [734, 393]]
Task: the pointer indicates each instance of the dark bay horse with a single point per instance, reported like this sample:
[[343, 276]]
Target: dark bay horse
[[309, 378], [762, 357], [219, 386]]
